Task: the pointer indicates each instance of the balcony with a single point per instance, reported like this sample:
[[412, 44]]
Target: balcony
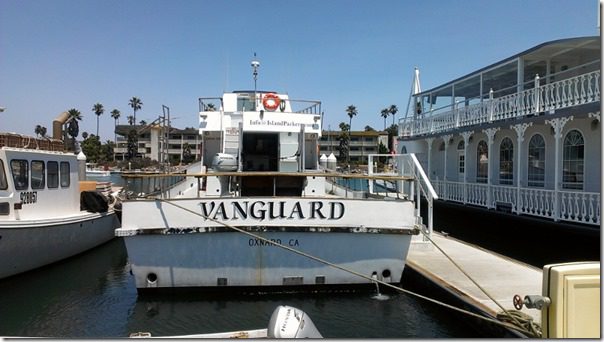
[[573, 206], [574, 91]]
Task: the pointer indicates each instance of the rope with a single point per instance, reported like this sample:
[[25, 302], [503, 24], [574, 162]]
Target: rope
[[325, 262], [526, 321], [512, 318]]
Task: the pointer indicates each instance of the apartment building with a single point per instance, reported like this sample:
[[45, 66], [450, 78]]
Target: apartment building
[[150, 143], [362, 143]]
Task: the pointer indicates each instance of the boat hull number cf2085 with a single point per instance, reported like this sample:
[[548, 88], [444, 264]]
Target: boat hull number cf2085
[[28, 197]]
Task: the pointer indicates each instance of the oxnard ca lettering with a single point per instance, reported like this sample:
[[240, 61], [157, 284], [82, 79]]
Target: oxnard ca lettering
[[271, 210]]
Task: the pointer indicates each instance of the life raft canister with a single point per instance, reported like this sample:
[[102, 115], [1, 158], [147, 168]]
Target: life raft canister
[[271, 101]]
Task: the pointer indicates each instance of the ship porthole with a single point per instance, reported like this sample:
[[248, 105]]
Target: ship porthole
[[386, 273], [151, 280]]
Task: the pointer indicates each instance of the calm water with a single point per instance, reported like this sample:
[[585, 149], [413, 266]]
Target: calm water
[[93, 295]]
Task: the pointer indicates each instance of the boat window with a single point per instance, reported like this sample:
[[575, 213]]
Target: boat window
[[506, 162], [3, 181], [536, 161], [482, 161], [37, 174], [52, 173], [572, 163], [64, 174], [19, 169]]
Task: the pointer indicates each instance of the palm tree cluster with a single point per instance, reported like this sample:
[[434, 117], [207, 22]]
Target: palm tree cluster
[[40, 131]]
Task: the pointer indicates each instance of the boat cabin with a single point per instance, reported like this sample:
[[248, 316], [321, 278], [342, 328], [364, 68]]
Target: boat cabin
[[263, 132], [36, 183]]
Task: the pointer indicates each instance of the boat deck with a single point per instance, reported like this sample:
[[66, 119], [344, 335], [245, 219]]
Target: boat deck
[[502, 277]]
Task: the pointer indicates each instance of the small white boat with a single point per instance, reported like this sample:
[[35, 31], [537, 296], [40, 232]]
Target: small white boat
[[94, 171], [285, 322], [42, 216]]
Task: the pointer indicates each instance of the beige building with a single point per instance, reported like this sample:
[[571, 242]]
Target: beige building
[[150, 143], [362, 143]]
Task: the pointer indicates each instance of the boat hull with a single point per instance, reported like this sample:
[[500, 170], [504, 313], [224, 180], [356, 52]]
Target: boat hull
[[235, 260], [26, 245]]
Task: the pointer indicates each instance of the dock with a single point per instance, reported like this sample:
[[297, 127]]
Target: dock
[[500, 276]]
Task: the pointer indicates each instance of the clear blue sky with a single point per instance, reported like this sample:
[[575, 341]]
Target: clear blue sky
[[57, 55]]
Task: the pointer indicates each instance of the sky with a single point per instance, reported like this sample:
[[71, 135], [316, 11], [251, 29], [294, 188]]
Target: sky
[[61, 54]]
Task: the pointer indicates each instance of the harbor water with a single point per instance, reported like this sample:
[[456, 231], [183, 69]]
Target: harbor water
[[93, 295]]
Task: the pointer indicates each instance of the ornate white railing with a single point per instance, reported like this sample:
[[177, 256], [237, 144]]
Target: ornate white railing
[[578, 90], [574, 206]]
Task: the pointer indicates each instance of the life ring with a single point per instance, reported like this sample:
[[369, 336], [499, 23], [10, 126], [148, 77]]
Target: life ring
[[271, 101]]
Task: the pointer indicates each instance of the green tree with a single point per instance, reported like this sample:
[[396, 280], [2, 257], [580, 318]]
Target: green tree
[[136, 104], [115, 114], [38, 130], [392, 132], [84, 135], [130, 120], [43, 131], [369, 129], [73, 128], [385, 113], [393, 110], [91, 146], [98, 110], [351, 111], [343, 140]]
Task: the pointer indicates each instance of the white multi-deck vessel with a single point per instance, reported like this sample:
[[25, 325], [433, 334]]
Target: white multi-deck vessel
[[259, 203], [41, 220], [519, 138]]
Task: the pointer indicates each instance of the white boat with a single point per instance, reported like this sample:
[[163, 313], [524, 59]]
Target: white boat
[[93, 171], [41, 220], [262, 202], [520, 136], [285, 322]]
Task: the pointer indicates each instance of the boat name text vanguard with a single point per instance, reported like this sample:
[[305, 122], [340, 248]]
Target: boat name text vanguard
[[271, 210]]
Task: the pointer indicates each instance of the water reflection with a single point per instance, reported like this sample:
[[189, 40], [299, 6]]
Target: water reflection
[[93, 295]]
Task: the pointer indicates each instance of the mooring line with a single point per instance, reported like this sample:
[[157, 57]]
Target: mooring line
[[312, 257]]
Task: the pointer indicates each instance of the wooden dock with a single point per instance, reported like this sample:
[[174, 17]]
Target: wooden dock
[[500, 276]]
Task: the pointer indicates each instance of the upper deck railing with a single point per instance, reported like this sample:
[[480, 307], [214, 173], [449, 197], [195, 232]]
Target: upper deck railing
[[211, 104], [573, 91]]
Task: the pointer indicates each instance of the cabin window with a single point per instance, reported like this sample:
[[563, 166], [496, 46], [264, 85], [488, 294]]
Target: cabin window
[[536, 161], [506, 162], [3, 180], [20, 171], [64, 174], [37, 174], [572, 162], [482, 162], [52, 174]]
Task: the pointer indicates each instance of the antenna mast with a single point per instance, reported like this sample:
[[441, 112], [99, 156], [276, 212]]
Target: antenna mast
[[255, 66]]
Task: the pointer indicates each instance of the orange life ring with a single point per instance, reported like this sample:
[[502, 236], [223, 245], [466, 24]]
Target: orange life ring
[[271, 101]]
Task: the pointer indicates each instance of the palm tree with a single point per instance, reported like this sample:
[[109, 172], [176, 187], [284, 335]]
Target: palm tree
[[393, 110], [136, 104], [351, 111], [84, 135], [43, 131], [38, 130], [115, 114], [74, 128], [130, 119], [385, 113], [98, 110], [143, 122]]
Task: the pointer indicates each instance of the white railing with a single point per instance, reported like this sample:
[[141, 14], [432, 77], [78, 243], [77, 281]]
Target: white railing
[[419, 184], [574, 206], [578, 90]]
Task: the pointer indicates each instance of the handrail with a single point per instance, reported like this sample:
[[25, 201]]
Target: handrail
[[424, 178], [581, 89]]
